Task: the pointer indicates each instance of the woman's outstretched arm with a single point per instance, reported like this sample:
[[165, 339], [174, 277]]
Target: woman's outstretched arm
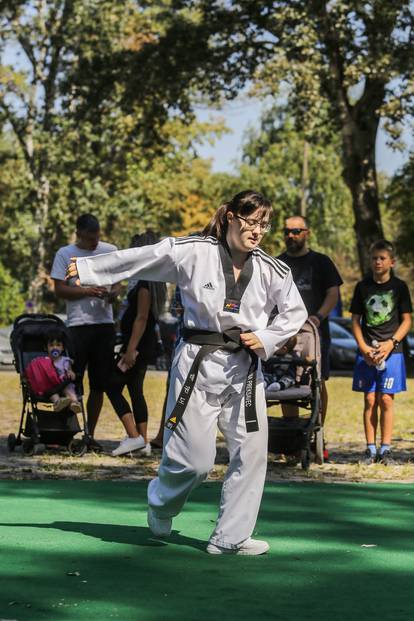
[[156, 262]]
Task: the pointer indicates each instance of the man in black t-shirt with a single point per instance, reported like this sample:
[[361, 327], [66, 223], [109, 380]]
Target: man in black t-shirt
[[318, 282]]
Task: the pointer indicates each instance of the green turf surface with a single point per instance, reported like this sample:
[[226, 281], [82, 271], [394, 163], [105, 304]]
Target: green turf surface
[[317, 567]]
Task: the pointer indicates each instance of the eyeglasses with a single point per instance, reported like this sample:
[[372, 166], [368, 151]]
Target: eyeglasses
[[251, 224], [293, 231]]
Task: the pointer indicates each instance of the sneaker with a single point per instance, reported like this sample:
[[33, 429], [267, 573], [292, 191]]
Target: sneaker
[[75, 407], [158, 526], [94, 446], [61, 404], [128, 445], [368, 458], [385, 459], [250, 547], [146, 450]]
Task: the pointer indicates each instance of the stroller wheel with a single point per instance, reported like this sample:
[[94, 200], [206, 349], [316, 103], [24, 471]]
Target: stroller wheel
[[11, 442], [28, 447], [305, 458], [77, 448]]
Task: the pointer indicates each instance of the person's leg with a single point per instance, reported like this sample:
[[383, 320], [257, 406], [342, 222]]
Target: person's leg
[[100, 347], [244, 481], [69, 391], [391, 381], [188, 453], [134, 441], [370, 417], [59, 402], [135, 384], [365, 381], [93, 409], [122, 408], [324, 401], [325, 371], [386, 404], [54, 398]]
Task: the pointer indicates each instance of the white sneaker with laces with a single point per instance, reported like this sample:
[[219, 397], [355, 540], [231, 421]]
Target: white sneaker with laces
[[128, 445], [249, 547], [146, 450], [158, 526]]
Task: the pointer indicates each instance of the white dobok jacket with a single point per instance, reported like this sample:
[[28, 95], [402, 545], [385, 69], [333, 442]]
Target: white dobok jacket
[[201, 267]]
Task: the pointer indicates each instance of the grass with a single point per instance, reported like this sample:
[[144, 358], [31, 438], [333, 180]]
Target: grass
[[343, 431]]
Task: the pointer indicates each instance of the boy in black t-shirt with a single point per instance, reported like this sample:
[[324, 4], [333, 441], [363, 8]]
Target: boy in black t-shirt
[[381, 317]]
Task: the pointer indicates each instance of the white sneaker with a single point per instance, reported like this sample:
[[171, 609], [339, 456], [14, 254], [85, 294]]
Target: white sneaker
[[249, 547], [128, 445], [158, 526], [146, 450]]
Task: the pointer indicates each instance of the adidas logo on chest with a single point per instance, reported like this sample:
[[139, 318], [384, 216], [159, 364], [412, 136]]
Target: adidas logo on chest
[[209, 286]]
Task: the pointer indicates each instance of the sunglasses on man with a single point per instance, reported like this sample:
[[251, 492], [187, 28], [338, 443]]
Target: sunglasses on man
[[293, 231]]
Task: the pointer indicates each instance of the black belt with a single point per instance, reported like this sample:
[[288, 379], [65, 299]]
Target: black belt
[[229, 340]]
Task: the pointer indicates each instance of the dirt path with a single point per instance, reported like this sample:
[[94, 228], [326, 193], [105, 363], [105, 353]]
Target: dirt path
[[52, 464], [343, 466]]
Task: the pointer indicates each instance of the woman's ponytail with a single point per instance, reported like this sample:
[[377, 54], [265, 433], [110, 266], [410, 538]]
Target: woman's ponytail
[[217, 227]]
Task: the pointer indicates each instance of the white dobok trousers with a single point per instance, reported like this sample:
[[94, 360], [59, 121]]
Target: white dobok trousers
[[189, 454]]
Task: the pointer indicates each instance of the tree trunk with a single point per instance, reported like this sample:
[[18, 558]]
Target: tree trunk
[[359, 139], [39, 276], [305, 180]]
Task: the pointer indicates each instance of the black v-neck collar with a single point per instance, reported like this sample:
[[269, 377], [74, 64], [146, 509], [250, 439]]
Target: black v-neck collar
[[234, 290]]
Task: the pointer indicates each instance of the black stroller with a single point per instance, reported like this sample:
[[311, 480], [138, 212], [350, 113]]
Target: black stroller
[[40, 426], [302, 436]]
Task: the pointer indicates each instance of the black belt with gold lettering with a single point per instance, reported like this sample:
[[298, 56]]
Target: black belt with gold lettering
[[229, 340]]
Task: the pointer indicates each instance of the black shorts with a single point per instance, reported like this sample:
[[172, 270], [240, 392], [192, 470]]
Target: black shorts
[[94, 349]]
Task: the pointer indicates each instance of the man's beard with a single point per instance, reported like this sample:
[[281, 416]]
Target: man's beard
[[295, 245]]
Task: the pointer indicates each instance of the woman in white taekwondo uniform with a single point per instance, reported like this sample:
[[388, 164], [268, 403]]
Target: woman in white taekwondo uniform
[[228, 288]]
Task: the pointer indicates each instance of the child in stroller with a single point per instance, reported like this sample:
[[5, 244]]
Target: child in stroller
[[39, 426], [283, 376], [58, 369], [301, 436]]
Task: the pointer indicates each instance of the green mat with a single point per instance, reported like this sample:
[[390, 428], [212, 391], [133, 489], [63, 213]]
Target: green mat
[[80, 550]]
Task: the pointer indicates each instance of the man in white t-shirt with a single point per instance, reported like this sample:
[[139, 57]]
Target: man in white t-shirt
[[90, 317]]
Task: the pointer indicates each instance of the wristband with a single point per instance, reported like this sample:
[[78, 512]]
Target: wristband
[[395, 342], [320, 317]]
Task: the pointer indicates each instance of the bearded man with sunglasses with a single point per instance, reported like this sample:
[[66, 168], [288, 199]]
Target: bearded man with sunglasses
[[318, 282]]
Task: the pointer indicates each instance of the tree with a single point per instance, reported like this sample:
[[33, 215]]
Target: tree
[[11, 298], [91, 109], [273, 163], [400, 201], [353, 60]]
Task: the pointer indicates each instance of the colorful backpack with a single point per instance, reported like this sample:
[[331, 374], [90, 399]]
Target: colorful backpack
[[42, 375]]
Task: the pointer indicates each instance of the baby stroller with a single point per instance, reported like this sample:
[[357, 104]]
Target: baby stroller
[[304, 435], [39, 425]]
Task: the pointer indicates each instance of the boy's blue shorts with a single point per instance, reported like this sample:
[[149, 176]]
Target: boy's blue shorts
[[389, 381]]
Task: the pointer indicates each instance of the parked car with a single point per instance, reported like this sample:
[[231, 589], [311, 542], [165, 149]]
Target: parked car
[[410, 344], [345, 322], [6, 354], [343, 346]]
